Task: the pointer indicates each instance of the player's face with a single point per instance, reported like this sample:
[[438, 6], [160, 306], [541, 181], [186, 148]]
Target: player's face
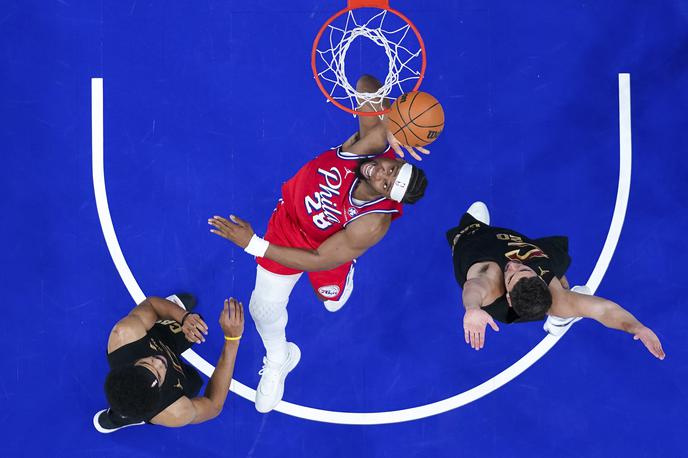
[[380, 174], [515, 271], [157, 365]]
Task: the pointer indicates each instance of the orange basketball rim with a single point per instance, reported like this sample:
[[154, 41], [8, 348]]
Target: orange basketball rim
[[329, 84]]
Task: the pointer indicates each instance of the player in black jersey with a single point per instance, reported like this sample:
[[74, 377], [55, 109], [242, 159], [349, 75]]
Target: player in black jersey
[[506, 276], [149, 382]]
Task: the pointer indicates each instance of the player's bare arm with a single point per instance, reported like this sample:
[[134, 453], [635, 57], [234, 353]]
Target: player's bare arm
[[142, 317], [340, 248], [477, 291], [567, 303], [373, 135], [185, 411]]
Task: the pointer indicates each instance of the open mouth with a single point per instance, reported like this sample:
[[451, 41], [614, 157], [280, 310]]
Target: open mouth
[[367, 169]]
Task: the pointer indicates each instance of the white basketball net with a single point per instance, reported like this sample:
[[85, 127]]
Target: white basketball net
[[391, 40]]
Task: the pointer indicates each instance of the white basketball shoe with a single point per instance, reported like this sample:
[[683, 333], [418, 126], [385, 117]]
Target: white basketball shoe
[[333, 306], [271, 386], [479, 211], [582, 289]]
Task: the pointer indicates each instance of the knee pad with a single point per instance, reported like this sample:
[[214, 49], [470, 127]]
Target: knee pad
[[266, 311], [270, 296]]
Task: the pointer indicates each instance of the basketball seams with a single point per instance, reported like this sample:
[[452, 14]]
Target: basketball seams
[[409, 117], [413, 120], [403, 131], [401, 117], [399, 125], [403, 128], [408, 122], [424, 140]]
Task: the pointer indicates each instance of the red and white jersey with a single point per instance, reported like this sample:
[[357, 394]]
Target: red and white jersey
[[319, 198]]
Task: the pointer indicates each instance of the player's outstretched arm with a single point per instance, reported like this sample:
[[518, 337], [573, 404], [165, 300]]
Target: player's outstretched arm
[[203, 408], [475, 319], [373, 136], [340, 248], [567, 303], [376, 141]]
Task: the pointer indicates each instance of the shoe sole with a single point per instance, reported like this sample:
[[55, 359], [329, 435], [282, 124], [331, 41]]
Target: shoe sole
[[474, 210], [557, 329], [100, 429], [186, 301], [335, 306]]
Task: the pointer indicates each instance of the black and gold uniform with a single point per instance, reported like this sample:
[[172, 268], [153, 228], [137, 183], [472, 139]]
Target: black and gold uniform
[[165, 339], [473, 242]]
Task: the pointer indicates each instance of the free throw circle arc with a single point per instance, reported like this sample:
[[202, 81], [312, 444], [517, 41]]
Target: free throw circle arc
[[372, 418]]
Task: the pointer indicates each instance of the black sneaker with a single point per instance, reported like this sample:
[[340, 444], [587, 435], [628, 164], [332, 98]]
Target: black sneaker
[[107, 421]]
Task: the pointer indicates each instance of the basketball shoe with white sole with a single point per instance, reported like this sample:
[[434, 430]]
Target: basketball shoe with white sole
[[184, 300], [106, 421], [333, 306], [271, 386], [556, 325], [479, 211]]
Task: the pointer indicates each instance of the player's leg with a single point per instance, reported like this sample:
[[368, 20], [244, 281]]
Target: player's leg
[[274, 282], [268, 307], [334, 287]]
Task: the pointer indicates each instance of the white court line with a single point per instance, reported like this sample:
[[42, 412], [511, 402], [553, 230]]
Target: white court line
[[106, 225], [624, 187], [396, 416], [101, 194]]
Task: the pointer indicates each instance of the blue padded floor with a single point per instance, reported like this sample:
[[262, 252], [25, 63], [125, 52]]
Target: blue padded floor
[[210, 106]]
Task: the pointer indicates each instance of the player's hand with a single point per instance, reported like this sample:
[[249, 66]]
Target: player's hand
[[475, 322], [194, 328], [232, 318], [396, 146], [650, 340], [234, 229]]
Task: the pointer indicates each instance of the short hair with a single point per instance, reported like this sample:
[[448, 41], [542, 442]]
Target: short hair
[[416, 187], [129, 392], [530, 298]]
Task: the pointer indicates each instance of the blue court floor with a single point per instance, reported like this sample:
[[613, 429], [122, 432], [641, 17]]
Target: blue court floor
[[209, 106]]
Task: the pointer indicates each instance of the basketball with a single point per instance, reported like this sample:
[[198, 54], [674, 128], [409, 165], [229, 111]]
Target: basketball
[[416, 119]]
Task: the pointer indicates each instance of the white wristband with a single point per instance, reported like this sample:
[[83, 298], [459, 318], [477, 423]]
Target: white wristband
[[257, 246]]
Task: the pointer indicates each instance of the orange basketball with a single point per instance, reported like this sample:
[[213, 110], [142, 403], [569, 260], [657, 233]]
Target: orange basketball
[[416, 119]]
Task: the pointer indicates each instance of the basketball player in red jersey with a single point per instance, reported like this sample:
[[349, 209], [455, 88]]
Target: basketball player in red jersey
[[335, 208]]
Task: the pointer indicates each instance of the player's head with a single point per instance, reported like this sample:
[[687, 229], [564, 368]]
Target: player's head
[[526, 292], [393, 178], [134, 391]]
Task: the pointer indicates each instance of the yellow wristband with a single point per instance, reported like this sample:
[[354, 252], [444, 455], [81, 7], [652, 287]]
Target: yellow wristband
[[232, 338]]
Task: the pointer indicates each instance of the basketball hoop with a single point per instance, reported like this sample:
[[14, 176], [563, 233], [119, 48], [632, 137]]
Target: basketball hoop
[[386, 28]]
